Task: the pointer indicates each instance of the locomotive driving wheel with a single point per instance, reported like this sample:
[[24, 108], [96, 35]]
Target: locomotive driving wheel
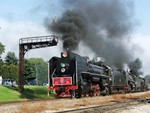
[[129, 89], [73, 93], [105, 92]]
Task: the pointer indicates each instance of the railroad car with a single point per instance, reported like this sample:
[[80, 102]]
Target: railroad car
[[72, 75]]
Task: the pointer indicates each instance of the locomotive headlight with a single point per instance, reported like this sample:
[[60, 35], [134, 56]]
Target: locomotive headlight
[[110, 79], [65, 54], [63, 70]]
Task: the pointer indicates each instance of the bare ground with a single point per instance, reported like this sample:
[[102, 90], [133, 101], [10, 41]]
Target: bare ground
[[48, 106]]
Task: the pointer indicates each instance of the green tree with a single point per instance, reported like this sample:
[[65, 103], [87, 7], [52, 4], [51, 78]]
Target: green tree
[[9, 72], [2, 48], [13, 72], [40, 67], [29, 70], [1, 64], [11, 58], [42, 73], [5, 71], [36, 68]]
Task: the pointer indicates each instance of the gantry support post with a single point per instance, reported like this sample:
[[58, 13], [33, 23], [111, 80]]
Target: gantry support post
[[21, 68]]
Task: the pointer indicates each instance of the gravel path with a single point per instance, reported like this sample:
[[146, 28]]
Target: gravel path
[[48, 106], [137, 109]]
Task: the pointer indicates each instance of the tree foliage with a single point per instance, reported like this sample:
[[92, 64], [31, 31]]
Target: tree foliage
[[1, 62], [2, 48], [36, 68], [9, 72], [29, 70], [11, 58], [9, 68]]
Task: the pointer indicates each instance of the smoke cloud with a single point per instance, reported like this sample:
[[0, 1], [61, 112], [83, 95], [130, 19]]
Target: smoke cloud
[[72, 26], [104, 26], [135, 67]]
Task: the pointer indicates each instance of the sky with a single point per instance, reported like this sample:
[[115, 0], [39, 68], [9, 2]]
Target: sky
[[25, 18]]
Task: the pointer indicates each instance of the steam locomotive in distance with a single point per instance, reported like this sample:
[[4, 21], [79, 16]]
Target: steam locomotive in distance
[[72, 75], [127, 82]]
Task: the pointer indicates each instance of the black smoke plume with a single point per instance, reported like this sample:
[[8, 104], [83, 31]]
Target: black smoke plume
[[103, 25], [135, 67], [72, 26]]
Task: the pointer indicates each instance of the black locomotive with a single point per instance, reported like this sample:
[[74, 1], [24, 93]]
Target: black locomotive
[[72, 75], [126, 81]]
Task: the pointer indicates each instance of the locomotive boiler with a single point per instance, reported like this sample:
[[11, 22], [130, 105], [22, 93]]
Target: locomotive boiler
[[72, 75]]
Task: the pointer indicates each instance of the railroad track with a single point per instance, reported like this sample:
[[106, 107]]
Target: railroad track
[[103, 108]]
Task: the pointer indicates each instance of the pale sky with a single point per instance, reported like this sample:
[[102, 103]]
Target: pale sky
[[24, 18]]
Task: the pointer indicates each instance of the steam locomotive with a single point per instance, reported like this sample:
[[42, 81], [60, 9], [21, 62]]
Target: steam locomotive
[[72, 75], [127, 82]]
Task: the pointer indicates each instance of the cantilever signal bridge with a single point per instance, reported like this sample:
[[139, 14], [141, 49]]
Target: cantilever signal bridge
[[28, 43]]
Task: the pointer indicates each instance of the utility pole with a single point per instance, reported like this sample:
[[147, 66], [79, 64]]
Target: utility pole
[[48, 78], [36, 74]]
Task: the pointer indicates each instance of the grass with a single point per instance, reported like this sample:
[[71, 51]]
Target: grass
[[30, 92], [7, 94], [35, 92]]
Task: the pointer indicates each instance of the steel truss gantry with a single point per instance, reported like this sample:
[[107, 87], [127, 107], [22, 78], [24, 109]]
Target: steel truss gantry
[[28, 43]]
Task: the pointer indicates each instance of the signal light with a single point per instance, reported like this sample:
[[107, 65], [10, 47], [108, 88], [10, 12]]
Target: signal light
[[62, 65]]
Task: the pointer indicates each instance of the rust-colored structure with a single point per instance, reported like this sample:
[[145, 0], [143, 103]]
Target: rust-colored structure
[[28, 43]]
